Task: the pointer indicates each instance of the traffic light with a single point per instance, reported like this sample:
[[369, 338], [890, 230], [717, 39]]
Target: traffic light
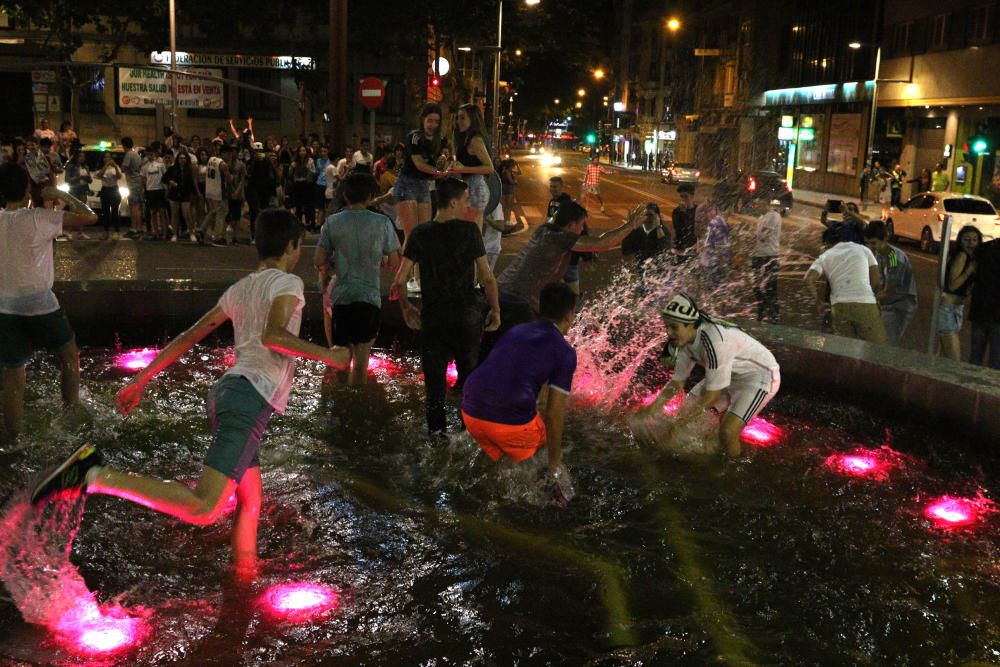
[[591, 138], [434, 82], [980, 146]]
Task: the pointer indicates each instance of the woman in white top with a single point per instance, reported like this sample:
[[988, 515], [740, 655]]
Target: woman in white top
[[111, 197]]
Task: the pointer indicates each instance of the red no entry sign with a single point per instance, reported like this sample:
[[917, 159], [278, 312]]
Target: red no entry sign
[[372, 92]]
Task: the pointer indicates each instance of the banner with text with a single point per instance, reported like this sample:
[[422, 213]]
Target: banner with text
[[140, 88]]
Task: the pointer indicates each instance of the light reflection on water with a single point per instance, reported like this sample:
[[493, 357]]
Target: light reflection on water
[[436, 554]]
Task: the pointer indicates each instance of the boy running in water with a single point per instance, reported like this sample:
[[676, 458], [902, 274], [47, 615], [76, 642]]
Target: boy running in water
[[266, 310], [741, 375]]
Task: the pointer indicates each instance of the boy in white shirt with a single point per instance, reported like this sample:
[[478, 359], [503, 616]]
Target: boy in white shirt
[[853, 275], [266, 310], [741, 375], [30, 316]]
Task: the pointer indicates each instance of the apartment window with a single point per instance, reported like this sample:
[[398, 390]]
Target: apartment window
[[90, 96], [255, 103], [939, 31], [901, 38], [980, 24]]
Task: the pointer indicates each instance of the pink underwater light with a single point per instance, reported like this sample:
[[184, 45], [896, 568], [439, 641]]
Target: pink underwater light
[[100, 633], [949, 512], [136, 360], [452, 374], [298, 602], [670, 407], [761, 433], [383, 364], [874, 464]]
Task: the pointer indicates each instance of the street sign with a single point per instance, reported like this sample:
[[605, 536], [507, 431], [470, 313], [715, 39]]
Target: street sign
[[707, 52], [372, 93]]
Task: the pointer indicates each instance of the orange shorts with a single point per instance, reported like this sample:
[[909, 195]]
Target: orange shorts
[[517, 442]]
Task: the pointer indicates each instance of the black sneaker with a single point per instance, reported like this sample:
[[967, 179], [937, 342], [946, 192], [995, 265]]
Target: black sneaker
[[70, 475]]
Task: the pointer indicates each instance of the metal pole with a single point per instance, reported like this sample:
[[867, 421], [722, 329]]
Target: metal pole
[[337, 85], [496, 76], [371, 129], [942, 281], [173, 65], [871, 121]]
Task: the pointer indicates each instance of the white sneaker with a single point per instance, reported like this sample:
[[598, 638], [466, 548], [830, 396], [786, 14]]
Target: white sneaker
[[413, 286], [62, 237], [83, 236], [192, 238], [173, 239], [116, 237]]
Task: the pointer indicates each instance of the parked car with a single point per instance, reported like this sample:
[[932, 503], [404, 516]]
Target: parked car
[[680, 172], [95, 160], [921, 217], [755, 190]]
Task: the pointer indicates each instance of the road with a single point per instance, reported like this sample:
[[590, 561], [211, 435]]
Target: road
[[623, 190]]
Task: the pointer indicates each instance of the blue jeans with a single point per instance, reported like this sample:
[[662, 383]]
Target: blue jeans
[[983, 336], [896, 320]]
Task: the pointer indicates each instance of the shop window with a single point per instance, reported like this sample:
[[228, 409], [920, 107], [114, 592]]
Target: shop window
[[845, 137], [979, 25], [939, 31], [810, 143], [901, 38], [260, 104]]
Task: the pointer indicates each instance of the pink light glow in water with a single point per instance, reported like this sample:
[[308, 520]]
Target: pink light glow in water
[[91, 631], [670, 407], [384, 364], [452, 374], [762, 433], [873, 464], [948, 512], [136, 360], [298, 602]]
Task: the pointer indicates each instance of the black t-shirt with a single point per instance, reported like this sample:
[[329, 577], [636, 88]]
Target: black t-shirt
[[506, 170], [262, 176], [417, 143], [447, 253], [556, 202], [985, 306], [683, 219], [645, 244]]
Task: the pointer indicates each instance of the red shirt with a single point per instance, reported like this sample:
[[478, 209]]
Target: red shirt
[[593, 176]]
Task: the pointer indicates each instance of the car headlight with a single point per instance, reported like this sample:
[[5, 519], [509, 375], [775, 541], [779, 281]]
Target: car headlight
[[123, 190], [63, 187]]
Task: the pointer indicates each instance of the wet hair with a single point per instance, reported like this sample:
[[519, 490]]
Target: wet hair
[[556, 301], [685, 189], [831, 236], [476, 125], [876, 229], [13, 182], [568, 213], [276, 228], [556, 179], [358, 187], [45, 142], [449, 189], [127, 143], [390, 161]]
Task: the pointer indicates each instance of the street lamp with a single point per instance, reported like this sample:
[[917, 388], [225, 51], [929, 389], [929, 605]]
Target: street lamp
[[598, 73], [870, 147], [581, 92], [673, 24], [579, 105], [496, 69], [555, 101]]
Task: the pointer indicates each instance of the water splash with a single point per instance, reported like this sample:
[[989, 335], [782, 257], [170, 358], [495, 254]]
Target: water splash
[[136, 360], [951, 513], [35, 545]]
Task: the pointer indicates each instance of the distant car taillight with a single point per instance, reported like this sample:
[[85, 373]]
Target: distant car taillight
[[698, 173], [752, 184]]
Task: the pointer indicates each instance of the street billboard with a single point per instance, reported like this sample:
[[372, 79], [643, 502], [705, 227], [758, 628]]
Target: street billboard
[[140, 88]]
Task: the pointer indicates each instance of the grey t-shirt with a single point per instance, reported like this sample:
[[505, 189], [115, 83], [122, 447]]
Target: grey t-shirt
[[131, 164], [543, 260], [358, 240]]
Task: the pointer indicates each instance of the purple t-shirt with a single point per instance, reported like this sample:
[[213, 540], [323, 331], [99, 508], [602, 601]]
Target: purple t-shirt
[[504, 388]]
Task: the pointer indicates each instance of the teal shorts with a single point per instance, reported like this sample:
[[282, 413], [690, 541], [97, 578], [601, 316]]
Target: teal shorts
[[22, 334], [237, 414]]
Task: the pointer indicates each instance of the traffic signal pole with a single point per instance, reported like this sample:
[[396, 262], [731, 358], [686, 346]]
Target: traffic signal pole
[[337, 84]]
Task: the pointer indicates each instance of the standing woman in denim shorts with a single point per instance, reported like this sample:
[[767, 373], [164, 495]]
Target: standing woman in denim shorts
[[412, 190], [958, 282], [473, 160]]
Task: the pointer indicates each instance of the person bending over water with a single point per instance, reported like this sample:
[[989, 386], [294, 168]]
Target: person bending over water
[[741, 375], [266, 310], [531, 361]]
